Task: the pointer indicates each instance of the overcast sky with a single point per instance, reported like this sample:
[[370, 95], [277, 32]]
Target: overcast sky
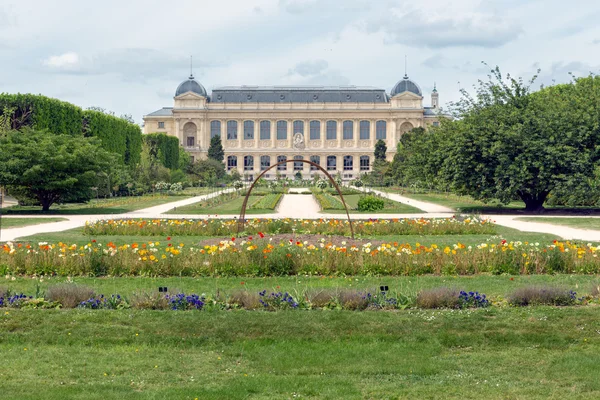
[[129, 55]]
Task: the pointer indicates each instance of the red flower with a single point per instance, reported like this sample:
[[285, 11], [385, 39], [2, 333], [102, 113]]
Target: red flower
[[93, 240], [168, 237], [261, 235], [242, 283], [233, 239], [250, 238], [512, 279], [503, 241], [169, 245]]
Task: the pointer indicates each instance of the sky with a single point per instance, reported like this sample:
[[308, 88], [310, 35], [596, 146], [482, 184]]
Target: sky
[[128, 56]]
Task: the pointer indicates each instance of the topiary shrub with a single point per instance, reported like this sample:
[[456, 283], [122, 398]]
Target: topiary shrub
[[370, 203]]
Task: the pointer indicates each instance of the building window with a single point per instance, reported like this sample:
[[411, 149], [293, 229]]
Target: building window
[[281, 130], [298, 166], [191, 141], [265, 130], [381, 130], [231, 163], [348, 163], [265, 162], [248, 130], [316, 160], [248, 163], [364, 163], [231, 130], [435, 123], [215, 128], [348, 128], [282, 167], [315, 130], [331, 130], [331, 163], [299, 127], [365, 130], [161, 125]]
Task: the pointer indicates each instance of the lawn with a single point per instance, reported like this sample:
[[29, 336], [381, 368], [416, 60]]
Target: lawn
[[20, 222], [233, 206], [391, 207], [497, 353], [581, 222], [115, 205]]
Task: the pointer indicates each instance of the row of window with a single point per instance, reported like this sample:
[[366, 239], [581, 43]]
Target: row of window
[[298, 126], [265, 163]]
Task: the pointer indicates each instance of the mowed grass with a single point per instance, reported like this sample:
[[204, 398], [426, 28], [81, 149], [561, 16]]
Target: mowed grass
[[533, 353], [115, 205], [20, 222], [390, 207], [577, 222], [77, 236], [229, 207], [458, 203]]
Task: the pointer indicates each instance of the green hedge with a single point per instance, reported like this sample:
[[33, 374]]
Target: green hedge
[[164, 147], [60, 117], [328, 202]]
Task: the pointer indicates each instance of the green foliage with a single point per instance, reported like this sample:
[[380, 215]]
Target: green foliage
[[51, 168], [165, 148], [215, 150], [329, 202], [370, 203], [380, 150], [208, 172], [267, 202]]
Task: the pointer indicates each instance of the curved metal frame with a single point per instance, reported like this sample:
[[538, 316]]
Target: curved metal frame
[[242, 220]]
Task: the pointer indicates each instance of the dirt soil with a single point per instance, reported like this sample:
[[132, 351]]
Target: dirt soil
[[286, 237]]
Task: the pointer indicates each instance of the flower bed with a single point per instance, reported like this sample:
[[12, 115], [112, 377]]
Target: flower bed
[[263, 257], [221, 227]]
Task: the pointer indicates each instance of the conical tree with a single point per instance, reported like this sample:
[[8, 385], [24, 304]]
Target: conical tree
[[380, 150], [215, 150]]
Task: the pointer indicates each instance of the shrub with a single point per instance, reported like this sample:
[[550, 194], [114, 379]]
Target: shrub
[[370, 203], [594, 292], [149, 301], [4, 291], [352, 300], [245, 299], [542, 295], [441, 297], [69, 295], [323, 298]]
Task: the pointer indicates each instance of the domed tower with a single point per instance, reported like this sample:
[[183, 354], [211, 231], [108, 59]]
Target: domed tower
[[435, 97], [190, 85], [190, 94], [406, 85]]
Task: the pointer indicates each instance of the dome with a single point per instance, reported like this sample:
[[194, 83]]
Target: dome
[[406, 85], [190, 85]]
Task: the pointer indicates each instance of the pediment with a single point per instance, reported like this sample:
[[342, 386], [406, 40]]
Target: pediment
[[407, 95], [189, 96]]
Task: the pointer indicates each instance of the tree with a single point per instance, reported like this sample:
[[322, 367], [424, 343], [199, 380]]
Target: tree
[[509, 142], [51, 168], [208, 171], [215, 150], [380, 150]]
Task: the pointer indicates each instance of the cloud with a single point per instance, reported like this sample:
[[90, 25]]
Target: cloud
[[315, 72], [596, 41], [435, 61], [439, 30], [309, 68], [66, 61], [563, 72]]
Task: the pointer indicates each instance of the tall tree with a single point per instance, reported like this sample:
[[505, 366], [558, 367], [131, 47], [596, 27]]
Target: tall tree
[[215, 150], [380, 150], [52, 168]]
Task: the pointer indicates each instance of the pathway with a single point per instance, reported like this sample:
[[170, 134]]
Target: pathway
[[298, 206], [422, 205]]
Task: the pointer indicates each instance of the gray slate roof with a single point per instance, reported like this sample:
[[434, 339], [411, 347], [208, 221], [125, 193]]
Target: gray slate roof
[[298, 94], [406, 85], [163, 112], [190, 86]]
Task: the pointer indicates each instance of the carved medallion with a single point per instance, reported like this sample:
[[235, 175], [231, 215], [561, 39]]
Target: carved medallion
[[332, 143], [231, 143], [348, 143], [265, 143], [249, 143], [282, 143], [299, 143], [364, 143]]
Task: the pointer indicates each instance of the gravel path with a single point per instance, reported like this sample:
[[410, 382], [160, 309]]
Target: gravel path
[[298, 206]]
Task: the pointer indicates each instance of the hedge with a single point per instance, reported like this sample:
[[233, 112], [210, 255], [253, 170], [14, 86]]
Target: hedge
[[165, 147], [59, 117]]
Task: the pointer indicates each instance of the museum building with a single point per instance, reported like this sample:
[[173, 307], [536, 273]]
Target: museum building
[[334, 126]]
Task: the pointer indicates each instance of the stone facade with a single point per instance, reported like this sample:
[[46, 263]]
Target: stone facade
[[337, 127]]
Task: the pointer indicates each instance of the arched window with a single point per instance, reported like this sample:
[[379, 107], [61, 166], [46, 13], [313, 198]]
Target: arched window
[[282, 167], [331, 163], [189, 132], [405, 127], [248, 163], [232, 130], [265, 130], [315, 130], [348, 130], [248, 130], [381, 130], [215, 128], [299, 127], [316, 160], [265, 162], [298, 166], [365, 130], [364, 163], [231, 163], [331, 130], [348, 163], [281, 130]]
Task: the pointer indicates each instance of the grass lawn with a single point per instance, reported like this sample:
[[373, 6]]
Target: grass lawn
[[78, 237], [580, 222], [116, 205], [19, 222], [496, 353], [390, 207], [229, 207]]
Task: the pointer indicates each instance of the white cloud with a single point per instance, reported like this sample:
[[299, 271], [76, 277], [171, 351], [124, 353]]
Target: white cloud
[[66, 61]]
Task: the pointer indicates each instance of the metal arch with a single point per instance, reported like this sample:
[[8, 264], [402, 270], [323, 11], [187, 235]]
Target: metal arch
[[242, 220]]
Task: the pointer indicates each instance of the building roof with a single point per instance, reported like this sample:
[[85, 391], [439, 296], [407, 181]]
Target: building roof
[[190, 85], [163, 112], [298, 94], [406, 85]]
